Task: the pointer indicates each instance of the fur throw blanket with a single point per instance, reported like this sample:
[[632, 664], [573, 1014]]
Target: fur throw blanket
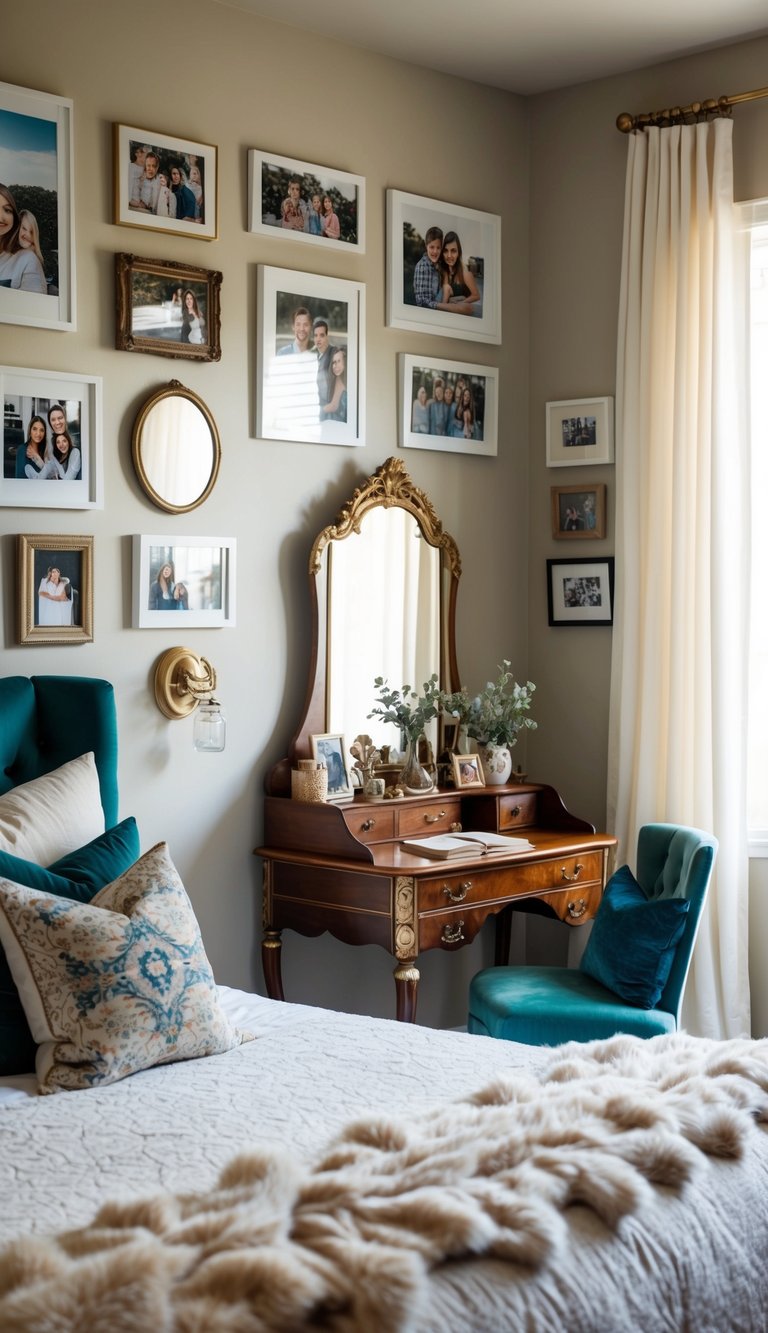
[[348, 1244]]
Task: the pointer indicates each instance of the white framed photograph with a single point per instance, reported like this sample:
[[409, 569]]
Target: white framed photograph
[[448, 405], [52, 440], [443, 268], [579, 430], [580, 591], [310, 380], [304, 202], [165, 183], [37, 217], [183, 582], [330, 749]]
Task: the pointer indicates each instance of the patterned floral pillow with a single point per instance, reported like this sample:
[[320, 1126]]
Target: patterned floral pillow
[[115, 985]]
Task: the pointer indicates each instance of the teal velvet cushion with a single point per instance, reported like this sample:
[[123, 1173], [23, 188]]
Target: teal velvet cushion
[[633, 940], [77, 876]]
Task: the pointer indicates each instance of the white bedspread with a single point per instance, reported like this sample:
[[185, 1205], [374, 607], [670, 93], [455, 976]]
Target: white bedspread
[[693, 1262]]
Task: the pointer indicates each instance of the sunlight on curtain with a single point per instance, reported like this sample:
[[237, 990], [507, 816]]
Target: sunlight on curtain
[[677, 745], [757, 805]]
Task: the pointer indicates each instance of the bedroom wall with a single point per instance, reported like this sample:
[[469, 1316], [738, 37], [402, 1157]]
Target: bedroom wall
[[212, 73], [207, 71]]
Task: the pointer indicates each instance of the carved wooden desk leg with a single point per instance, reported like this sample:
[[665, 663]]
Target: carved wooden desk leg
[[406, 948], [271, 949], [407, 986]]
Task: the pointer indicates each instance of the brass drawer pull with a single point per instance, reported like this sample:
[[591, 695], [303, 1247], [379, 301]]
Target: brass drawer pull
[[456, 827], [577, 909], [575, 875], [433, 819], [453, 934], [367, 825], [462, 893]]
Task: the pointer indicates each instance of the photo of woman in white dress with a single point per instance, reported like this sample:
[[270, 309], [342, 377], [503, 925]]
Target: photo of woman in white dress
[[54, 598], [192, 322]]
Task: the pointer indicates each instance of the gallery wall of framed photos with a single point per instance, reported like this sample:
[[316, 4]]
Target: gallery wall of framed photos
[[236, 106]]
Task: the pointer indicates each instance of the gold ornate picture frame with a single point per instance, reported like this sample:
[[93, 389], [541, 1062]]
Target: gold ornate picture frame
[[55, 575]]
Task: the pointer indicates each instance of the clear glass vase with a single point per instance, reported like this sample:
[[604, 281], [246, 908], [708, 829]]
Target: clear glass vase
[[413, 777]]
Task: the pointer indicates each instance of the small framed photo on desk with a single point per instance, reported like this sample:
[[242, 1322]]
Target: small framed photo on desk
[[330, 749], [468, 770]]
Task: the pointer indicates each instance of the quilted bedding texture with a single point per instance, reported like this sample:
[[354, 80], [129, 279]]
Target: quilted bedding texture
[[687, 1260]]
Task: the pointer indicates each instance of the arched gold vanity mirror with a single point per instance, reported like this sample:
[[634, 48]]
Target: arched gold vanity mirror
[[176, 449], [383, 584]]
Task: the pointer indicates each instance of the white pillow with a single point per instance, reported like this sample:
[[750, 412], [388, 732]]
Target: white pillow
[[53, 815], [115, 985]]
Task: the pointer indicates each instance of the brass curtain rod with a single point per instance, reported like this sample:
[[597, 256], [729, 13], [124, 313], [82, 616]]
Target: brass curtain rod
[[679, 115]]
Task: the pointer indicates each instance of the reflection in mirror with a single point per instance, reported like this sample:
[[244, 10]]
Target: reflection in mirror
[[176, 450], [383, 582], [383, 619]]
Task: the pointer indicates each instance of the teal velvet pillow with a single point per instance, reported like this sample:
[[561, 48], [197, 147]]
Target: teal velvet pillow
[[77, 876], [633, 940]]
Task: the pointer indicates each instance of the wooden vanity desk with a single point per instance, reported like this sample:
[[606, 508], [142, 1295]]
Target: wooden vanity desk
[[341, 869]]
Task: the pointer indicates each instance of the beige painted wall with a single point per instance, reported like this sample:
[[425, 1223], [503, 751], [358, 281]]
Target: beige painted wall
[[209, 72]]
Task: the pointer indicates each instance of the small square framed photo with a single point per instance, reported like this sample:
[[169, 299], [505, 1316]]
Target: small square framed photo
[[448, 405], [166, 308], [37, 264], [579, 431], [443, 268], [301, 201], [55, 589], [467, 770], [182, 582], [310, 373], [578, 512], [52, 433], [580, 592], [165, 183], [330, 749]]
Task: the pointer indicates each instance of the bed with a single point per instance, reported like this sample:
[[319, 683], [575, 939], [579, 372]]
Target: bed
[[329, 1170], [686, 1259]]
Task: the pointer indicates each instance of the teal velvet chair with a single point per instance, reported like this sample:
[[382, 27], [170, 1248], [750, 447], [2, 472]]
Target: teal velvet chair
[[545, 1006], [47, 720]]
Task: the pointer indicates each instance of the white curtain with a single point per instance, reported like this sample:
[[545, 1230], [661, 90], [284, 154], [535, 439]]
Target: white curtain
[[679, 672]]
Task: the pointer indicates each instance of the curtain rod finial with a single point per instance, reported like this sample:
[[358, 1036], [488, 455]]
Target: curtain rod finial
[[625, 122]]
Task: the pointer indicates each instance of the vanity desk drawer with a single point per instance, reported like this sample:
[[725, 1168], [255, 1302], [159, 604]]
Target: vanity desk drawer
[[453, 927], [373, 823], [517, 811], [433, 817]]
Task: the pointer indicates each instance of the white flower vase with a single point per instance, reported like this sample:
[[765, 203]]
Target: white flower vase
[[497, 764]]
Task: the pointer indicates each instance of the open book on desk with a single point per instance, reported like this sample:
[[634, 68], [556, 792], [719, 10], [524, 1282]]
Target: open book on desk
[[444, 846]]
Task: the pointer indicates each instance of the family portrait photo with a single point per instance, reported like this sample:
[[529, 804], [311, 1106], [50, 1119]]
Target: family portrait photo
[[188, 581], [449, 405], [578, 512], [580, 592], [309, 353], [443, 268], [306, 202], [50, 426], [55, 589], [579, 431], [168, 309], [165, 183], [36, 250]]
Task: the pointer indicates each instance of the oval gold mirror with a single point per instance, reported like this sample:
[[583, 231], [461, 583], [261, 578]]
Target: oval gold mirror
[[176, 449]]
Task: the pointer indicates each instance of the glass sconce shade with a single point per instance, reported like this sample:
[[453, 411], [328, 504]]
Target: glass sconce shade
[[210, 727]]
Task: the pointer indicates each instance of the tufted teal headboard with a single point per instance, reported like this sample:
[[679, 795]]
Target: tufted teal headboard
[[47, 720]]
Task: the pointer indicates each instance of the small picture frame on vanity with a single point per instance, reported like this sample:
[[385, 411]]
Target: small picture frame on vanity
[[329, 747]]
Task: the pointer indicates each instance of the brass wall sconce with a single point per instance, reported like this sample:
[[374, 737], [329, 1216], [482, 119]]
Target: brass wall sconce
[[185, 683]]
